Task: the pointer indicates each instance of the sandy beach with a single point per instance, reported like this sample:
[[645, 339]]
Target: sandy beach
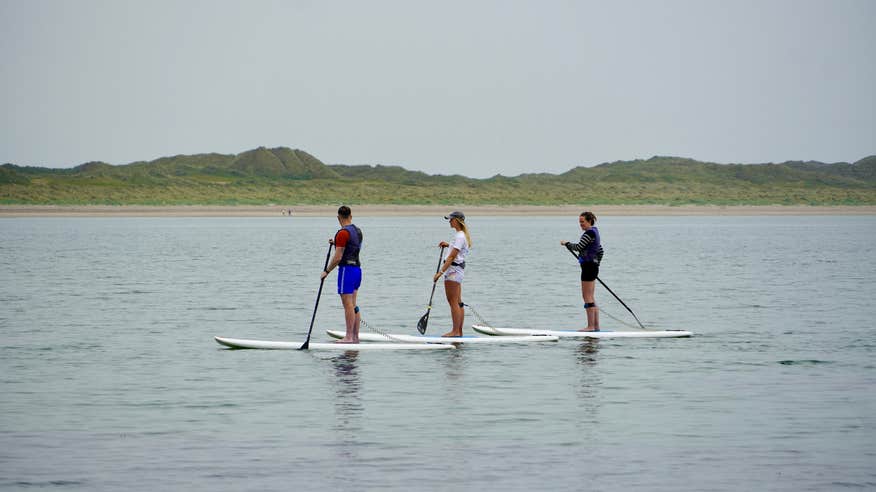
[[420, 210]]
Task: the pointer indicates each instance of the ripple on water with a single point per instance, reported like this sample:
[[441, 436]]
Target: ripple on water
[[805, 362]]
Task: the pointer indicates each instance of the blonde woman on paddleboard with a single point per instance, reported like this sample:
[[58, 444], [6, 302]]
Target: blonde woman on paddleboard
[[588, 249], [453, 269]]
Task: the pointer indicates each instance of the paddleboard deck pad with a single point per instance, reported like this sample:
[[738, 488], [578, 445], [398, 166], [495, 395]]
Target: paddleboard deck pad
[[239, 343], [392, 337], [498, 331]]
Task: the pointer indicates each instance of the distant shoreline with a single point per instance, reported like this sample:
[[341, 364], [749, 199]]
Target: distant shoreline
[[421, 210]]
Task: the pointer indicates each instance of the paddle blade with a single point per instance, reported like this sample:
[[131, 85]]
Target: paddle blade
[[421, 325]]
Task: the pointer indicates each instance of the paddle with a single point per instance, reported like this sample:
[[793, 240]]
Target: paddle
[[306, 344], [421, 325], [615, 295]]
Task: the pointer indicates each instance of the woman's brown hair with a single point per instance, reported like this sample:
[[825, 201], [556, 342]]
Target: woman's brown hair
[[590, 216]]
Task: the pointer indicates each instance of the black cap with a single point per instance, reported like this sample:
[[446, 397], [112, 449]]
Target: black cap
[[456, 215]]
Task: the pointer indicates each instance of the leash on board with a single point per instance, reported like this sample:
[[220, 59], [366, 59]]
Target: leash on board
[[480, 318], [612, 293], [379, 331], [622, 302], [628, 325], [484, 322]]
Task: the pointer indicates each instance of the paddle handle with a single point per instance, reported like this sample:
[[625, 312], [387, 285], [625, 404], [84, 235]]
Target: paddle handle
[[306, 343]]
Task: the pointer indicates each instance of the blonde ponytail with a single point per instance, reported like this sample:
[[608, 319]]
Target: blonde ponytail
[[465, 231]]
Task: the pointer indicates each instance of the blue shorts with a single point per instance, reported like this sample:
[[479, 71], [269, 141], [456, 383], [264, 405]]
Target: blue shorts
[[349, 279]]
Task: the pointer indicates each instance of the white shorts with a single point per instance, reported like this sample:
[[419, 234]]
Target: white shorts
[[454, 274]]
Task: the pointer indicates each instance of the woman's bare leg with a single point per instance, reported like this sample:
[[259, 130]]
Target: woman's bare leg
[[453, 290]]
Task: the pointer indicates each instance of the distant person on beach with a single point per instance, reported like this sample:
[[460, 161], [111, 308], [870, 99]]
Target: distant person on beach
[[589, 251], [348, 243], [453, 270]]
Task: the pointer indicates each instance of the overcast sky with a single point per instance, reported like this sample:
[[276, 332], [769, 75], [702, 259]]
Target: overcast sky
[[468, 87]]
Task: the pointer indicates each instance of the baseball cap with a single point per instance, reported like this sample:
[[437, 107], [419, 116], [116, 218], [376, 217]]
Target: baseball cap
[[455, 215]]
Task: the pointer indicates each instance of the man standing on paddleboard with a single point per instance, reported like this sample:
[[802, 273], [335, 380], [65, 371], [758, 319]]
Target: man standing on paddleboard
[[453, 270], [348, 243], [589, 253]]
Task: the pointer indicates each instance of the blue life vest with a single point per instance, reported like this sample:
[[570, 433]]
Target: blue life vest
[[591, 254], [354, 244]]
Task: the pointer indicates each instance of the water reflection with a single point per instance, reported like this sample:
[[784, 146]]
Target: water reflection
[[348, 403], [587, 352], [590, 382], [455, 364]]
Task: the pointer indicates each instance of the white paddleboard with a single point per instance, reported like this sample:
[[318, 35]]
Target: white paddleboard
[[239, 343], [488, 330], [376, 337]]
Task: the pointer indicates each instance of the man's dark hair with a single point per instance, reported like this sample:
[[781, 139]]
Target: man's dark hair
[[345, 212]]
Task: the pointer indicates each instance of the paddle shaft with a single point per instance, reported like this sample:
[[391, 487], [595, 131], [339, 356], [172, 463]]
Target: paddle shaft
[[615, 295], [424, 320], [306, 343]]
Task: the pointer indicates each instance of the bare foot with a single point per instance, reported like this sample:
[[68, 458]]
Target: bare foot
[[589, 329], [345, 340], [452, 334]]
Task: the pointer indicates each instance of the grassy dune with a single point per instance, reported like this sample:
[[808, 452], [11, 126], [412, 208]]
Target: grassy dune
[[264, 176]]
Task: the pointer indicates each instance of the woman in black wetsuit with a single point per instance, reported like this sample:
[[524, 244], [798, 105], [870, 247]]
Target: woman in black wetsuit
[[589, 252]]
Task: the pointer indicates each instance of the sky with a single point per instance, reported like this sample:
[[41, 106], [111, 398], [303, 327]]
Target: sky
[[471, 87]]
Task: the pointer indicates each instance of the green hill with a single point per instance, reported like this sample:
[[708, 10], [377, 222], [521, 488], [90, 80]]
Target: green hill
[[291, 176], [281, 162]]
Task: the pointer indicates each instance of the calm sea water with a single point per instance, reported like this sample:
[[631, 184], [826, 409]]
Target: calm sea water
[[110, 378]]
